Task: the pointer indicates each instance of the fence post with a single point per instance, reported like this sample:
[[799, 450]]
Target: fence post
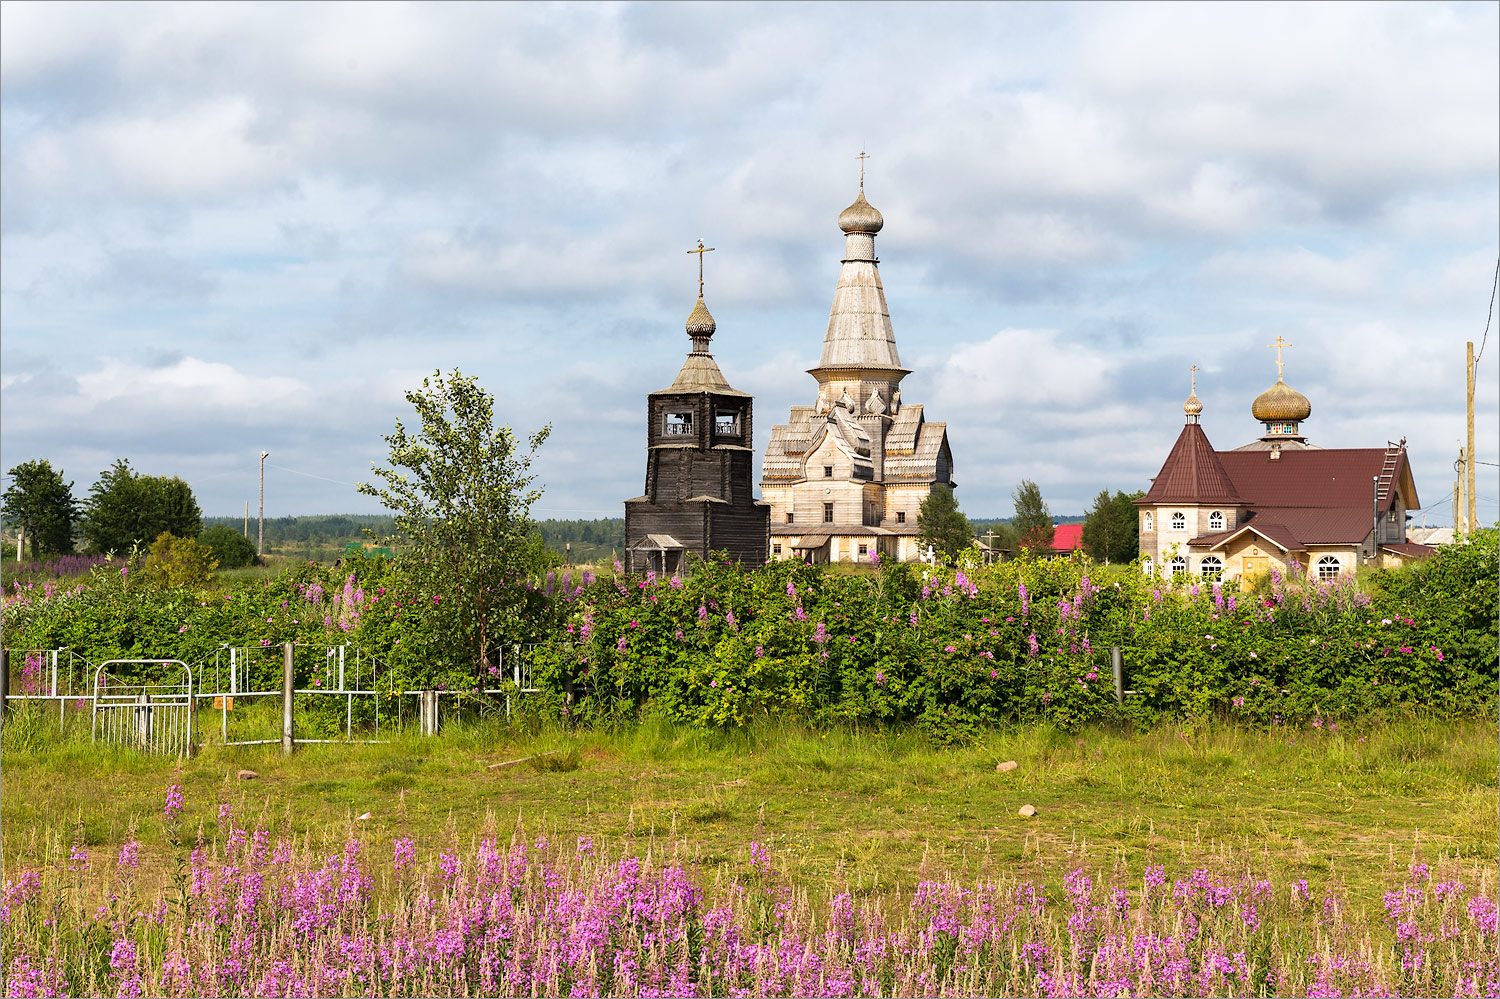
[[429, 711], [4, 682], [286, 699], [1118, 662]]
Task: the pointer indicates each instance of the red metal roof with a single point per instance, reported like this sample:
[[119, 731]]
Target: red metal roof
[[1067, 537], [1192, 473]]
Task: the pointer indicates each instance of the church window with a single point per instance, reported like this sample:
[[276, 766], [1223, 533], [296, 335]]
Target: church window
[[1329, 567], [1148, 568], [775, 549], [789, 517], [727, 423], [900, 516], [1179, 566], [1211, 568], [1148, 522], [1216, 521], [677, 424], [1179, 521], [827, 513], [827, 471]]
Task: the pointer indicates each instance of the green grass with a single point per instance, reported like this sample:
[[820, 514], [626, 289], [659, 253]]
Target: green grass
[[1352, 805]]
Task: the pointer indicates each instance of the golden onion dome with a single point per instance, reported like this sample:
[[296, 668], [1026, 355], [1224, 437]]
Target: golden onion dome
[[1193, 406], [1281, 402], [699, 322], [861, 217]]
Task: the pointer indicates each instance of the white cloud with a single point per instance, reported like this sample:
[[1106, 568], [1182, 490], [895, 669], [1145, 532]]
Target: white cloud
[[1300, 270]]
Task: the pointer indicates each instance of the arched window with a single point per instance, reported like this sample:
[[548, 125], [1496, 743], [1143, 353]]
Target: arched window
[[1148, 568], [1179, 565], [1216, 521], [1179, 521], [1148, 522], [1329, 567], [1211, 568]]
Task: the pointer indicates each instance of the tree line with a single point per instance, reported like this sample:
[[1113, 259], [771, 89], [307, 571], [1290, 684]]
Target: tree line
[[1111, 531]]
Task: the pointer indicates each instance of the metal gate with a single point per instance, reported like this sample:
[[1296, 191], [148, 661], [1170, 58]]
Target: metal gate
[[155, 717]]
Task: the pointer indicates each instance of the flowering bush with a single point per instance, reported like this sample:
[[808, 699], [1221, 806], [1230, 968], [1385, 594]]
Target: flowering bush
[[253, 913]]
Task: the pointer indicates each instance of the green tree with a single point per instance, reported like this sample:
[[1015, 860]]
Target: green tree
[[41, 504], [125, 507], [942, 524], [232, 549], [463, 511], [1032, 521], [175, 562], [1111, 529]]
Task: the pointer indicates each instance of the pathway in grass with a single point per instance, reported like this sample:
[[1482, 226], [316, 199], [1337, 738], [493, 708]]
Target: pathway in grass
[[873, 807]]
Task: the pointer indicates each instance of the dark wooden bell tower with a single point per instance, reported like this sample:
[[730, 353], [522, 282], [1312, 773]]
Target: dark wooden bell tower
[[699, 466]]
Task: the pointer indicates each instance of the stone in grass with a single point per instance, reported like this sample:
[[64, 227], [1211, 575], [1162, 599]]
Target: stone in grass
[[1027, 811], [1008, 765], [247, 775]]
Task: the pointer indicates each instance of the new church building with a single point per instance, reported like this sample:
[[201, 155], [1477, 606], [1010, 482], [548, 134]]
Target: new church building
[[1276, 501]]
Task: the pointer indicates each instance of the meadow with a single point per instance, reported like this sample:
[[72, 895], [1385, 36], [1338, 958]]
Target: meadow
[[773, 824]]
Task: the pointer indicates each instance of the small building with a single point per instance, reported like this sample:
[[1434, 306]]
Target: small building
[[1066, 539], [1276, 501], [700, 476], [846, 476]]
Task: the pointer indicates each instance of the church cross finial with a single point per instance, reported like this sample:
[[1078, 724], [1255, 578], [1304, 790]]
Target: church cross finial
[[701, 250], [862, 157], [1194, 369], [1280, 343]]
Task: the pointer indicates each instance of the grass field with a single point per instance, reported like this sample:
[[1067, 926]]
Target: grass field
[[875, 808]]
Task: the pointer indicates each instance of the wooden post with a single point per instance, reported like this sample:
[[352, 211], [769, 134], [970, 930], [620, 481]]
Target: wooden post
[[287, 740], [1118, 662], [1455, 507], [4, 681], [428, 701], [1459, 524], [1473, 513]]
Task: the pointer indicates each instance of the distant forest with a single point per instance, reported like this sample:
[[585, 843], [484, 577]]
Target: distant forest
[[322, 538]]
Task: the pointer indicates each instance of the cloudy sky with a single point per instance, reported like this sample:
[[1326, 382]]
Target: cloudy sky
[[229, 228]]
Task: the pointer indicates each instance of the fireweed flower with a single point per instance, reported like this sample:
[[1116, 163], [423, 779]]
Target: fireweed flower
[[172, 809]]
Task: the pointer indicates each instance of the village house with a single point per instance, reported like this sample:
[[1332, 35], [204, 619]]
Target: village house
[[1277, 500], [846, 476]]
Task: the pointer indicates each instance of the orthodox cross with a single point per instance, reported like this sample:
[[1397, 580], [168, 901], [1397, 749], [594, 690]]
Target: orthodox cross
[[1280, 343], [701, 250], [1194, 370], [862, 157]]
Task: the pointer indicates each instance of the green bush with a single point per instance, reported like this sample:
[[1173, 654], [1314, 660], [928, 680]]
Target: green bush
[[231, 548], [174, 563]]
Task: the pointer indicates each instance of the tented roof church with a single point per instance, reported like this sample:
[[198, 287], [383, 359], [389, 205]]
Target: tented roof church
[[845, 476]]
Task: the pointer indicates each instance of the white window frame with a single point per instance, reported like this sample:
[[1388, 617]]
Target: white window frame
[[1211, 567], [1216, 521], [1327, 562], [1179, 521], [1149, 522], [1177, 567], [1148, 567]]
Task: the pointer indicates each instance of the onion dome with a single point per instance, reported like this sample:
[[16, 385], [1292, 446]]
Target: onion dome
[[699, 322], [1193, 406], [1280, 402], [861, 217]]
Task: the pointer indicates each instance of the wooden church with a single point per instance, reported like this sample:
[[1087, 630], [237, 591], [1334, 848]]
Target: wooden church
[[699, 466]]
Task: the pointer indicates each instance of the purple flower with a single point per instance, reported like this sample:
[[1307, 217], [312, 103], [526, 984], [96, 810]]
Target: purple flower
[[173, 807]]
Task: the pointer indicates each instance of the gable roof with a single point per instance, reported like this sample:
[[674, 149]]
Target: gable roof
[[1192, 473], [1314, 478], [1067, 537]]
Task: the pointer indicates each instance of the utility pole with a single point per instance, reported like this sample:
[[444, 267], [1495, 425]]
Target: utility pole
[[247, 519], [1462, 468], [1455, 509], [1472, 517], [260, 542]]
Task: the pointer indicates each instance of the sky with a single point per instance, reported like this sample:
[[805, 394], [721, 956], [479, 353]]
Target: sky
[[228, 228]]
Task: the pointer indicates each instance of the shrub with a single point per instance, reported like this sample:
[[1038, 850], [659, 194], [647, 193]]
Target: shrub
[[174, 563], [232, 549]]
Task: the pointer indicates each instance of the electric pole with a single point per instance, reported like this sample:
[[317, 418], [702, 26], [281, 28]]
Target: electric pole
[[1469, 474], [247, 519], [260, 541], [1462, 468]]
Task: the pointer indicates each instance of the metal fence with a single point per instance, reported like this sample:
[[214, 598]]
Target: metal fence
[[155, 716]]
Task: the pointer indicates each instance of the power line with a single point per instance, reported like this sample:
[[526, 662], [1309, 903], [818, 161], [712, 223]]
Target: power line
[[310, 475], [1488, 315]]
